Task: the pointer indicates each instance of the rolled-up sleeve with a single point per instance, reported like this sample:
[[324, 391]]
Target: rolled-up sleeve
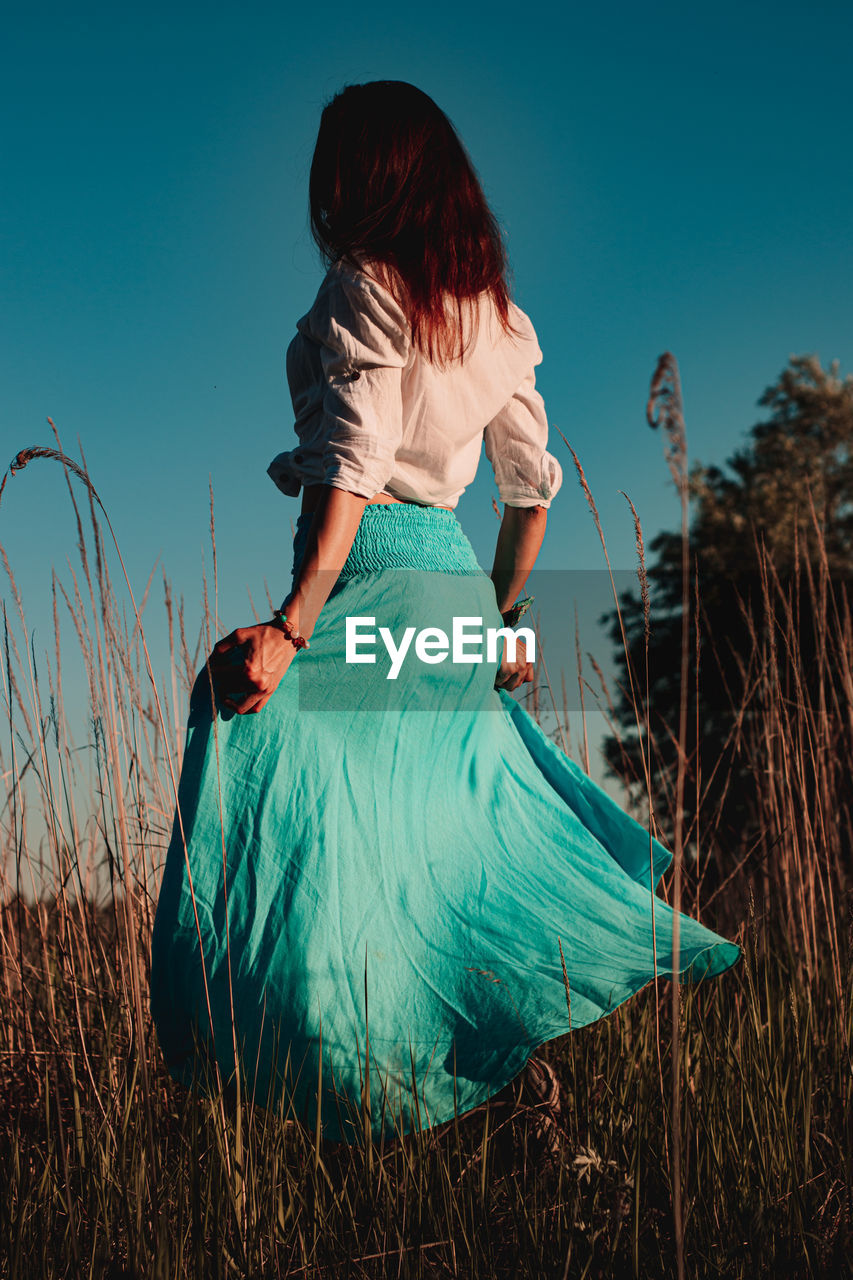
[[515, 441], [364, 347]]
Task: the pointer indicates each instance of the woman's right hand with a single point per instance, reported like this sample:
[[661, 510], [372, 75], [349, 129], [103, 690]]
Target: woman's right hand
[[512, 674], [248, 665]]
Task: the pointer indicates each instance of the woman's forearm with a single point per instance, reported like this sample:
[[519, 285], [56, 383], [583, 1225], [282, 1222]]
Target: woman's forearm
[[521, 533], [332, 532]]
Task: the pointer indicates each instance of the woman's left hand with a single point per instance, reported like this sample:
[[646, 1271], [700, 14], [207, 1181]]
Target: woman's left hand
[[512, 674], [245, 681]]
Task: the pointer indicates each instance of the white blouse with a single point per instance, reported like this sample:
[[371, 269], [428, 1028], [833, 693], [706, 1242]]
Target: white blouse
[[372, 414]]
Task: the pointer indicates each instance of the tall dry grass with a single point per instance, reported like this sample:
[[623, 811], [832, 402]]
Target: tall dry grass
[[711, 1132]]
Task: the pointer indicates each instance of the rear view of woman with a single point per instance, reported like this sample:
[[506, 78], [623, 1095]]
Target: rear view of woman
[[378, 856]]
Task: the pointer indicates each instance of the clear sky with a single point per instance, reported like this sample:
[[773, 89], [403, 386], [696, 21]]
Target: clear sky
[[670, 176]]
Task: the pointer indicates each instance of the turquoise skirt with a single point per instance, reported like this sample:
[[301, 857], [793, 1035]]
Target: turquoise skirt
[[373, 884]]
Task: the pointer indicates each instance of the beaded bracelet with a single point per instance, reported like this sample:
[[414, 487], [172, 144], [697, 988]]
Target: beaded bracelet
[[280, 621], [512, 615]]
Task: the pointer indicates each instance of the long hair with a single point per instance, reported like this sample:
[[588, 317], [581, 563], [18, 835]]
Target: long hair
[[392, 185]]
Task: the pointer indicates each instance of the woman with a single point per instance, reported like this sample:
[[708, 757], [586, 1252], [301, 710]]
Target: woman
[[379, 862]]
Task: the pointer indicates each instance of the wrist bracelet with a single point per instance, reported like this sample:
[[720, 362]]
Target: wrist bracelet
[[280, 621], [511, 616]]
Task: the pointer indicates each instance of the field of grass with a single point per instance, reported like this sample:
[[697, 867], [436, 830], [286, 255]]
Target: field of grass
[[708, 1135]]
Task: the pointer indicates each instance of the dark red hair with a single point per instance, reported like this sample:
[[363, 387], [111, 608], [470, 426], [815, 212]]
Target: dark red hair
[[392, 184]]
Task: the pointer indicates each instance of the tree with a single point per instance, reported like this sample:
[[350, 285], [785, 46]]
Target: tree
[[771, 547]]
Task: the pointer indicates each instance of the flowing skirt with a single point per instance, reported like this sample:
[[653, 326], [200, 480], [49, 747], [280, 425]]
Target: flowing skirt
[[382, 895]]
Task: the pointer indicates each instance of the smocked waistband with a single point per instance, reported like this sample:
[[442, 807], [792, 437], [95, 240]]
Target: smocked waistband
[[400, 535]]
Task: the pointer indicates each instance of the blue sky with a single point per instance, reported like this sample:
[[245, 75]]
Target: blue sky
[[669, 177]]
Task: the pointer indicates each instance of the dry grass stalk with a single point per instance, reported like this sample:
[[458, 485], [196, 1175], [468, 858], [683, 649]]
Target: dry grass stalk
[[664, 408]]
